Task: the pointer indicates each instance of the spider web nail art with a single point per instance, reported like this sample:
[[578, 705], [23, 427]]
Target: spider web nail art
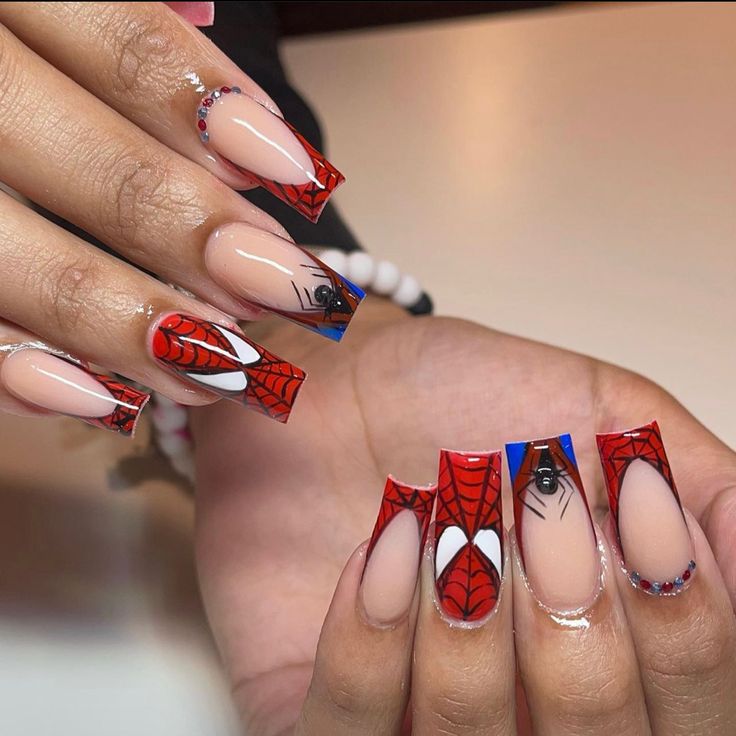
[[308, 199], [125, 415], [468, 534], [230, 364], [617, 451], [545, 479], [398, 497]]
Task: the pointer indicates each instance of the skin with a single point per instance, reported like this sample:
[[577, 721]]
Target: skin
[[275, 527]]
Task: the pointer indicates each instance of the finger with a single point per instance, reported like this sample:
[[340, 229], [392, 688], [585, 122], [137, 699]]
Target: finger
[[155, 207], [574, 651], [154, 68], [38, 381], [363, 660], [101, 310], [678, 609], [464, 671], [704, 466]]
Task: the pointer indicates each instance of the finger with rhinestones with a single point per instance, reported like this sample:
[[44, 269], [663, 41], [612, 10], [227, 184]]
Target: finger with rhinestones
[[165, 76]]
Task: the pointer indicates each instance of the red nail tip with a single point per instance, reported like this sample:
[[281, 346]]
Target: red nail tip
[[126, 413], [398, 497], [619, 449], [468, 534], [227, 363]]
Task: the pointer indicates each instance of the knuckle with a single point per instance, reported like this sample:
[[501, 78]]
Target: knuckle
[[709, 653], [344, 693], [140, 47], [599, 697], [64, 286], [135, 190], [466, 712]]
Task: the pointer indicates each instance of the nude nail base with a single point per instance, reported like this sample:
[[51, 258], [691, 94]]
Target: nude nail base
[[308, 198]]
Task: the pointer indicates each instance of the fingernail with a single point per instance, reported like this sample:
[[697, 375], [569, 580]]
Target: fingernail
[[265, 148], [554, 529], [655, 543], [273, 273], [227, 363], [62, 386], [468, 534], [392, 558]]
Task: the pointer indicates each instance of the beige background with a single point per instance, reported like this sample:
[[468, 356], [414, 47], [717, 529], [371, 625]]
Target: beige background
[[565, 175]]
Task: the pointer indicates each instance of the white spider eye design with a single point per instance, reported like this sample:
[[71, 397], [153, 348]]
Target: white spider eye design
[[451, 541], [231, 381], [246, 353], [488, 542]]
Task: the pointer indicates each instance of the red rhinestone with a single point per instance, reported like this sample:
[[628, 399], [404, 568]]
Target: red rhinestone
[[667, 587], [686, 575], [645, 584], [207, 102], [225, 90], [201, 125]]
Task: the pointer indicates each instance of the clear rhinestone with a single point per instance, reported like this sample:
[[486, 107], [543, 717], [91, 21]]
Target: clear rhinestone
[[235, 89], [216, 94], [679, 582], [635, 577], [202, 112], [205, 136], [692, 564], [656, 587]]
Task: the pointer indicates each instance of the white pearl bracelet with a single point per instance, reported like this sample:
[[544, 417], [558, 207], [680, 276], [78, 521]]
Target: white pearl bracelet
[[380, 277]]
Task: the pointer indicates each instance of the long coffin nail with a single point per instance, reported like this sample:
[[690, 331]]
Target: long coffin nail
[[554, 529], [392, 558], [265, 148], [227, 363], [273, 273], [62, 386], [655, 542], [468, 533]]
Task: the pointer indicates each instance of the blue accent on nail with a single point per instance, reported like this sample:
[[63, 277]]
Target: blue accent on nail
[[354, 288], [566, 442], [333, 332], [515, 456]]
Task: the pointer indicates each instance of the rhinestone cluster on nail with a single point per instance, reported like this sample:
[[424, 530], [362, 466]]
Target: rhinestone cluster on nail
[[669, 586], [205, 104]]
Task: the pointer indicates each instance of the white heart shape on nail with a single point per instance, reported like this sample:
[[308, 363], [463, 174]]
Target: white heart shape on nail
[[451, 541], [488, 542]]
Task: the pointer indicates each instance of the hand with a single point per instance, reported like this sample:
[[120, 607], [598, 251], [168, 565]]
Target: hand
[[127, 122], [281, 509]]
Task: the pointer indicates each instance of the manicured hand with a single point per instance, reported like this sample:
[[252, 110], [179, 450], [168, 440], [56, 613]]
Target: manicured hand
[[280, 510]]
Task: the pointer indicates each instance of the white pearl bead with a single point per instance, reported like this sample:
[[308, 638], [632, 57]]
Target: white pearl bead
[[408, 292], [336, 259], [173, 445], [169, 418], [386, 279], [360, 268]]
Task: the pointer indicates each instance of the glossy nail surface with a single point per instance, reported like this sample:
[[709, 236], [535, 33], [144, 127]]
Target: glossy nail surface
[[655, 542], [62, 386], [468, 534], [554, 529], [265, 148], [227, 363], [273, 273], [392, 558]]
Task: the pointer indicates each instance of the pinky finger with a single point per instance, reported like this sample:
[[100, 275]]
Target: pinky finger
[[37, 380], [363, 664]]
